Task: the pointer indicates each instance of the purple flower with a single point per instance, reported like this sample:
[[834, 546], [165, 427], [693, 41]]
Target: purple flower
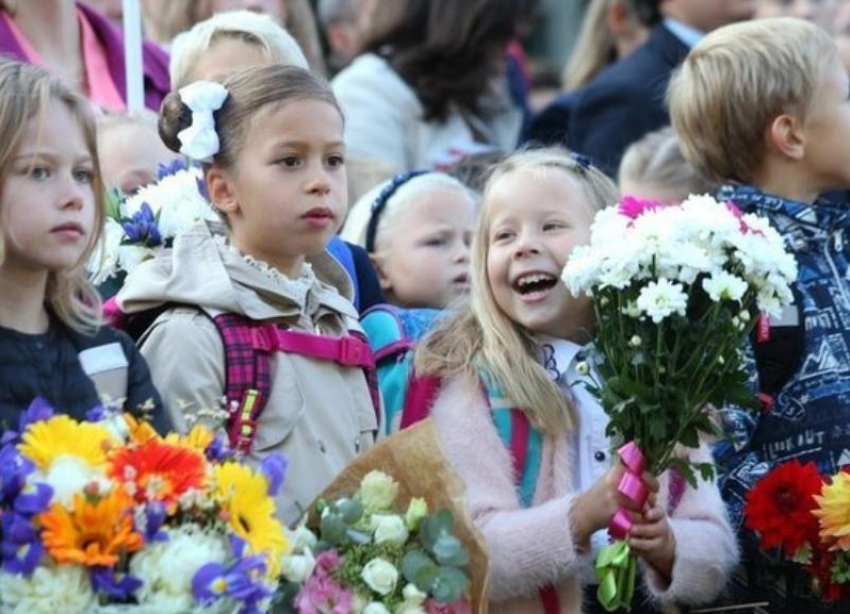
[[14, 470], [21, 549], [142, 227], [326, 562], [218, 451], [240, 582], [33, 498], [38, 411], [116, 586], [97, 414], [274, 468], [152, 521], [172, 168]]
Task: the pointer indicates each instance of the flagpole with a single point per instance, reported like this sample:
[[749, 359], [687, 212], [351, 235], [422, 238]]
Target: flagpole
[[133, 55]]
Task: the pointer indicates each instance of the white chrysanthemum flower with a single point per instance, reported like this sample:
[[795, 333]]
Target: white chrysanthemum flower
[[722, 286], [49, 590], [104, 263], [167, 568], [131, 256], [659, 300], [68, 475]]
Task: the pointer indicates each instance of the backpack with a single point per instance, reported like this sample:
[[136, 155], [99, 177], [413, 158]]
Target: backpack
[[248, 349]]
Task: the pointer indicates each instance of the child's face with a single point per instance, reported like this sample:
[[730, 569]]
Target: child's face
[[536, 220], [287, 195], [47, 201], [827, 130], [426, 259], [130, 156]]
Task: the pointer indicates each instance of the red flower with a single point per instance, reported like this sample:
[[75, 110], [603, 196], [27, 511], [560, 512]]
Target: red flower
[[158, 471], [779, 507]]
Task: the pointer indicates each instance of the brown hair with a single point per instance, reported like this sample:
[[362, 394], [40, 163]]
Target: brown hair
[[481, 334], [26, 91], [249, 90], [735, 82], [448, 51]]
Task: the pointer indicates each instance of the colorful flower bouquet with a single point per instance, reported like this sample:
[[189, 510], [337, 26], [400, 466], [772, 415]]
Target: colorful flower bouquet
[[676, 289], [369, 546], [139, 225], [806, 516], [106, 516]]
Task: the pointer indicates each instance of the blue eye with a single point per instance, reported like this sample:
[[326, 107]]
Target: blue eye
[[39, 173], [84, 176]]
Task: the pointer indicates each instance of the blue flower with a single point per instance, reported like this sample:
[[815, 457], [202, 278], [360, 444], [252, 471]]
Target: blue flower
[[172, 168], [33, 498], [21, 549], [116, 586], [38, 411], [14, 470], [142, 227], [241, 581], [274, 468], [152, 521], [218, 451]]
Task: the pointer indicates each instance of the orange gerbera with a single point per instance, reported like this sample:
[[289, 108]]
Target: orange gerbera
[[141, 431], [158, 471], [95, 533]]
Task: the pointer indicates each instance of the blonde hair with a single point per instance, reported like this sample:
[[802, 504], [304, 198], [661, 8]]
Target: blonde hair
[[393, 212], [481, 335], [735, 82], [252, 28], [26, 92], [657, 160], [596, 46]]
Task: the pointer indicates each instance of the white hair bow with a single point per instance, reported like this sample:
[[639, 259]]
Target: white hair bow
[[200, 140]]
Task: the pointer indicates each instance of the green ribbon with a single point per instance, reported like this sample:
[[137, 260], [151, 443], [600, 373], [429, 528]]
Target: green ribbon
[[616, 568]]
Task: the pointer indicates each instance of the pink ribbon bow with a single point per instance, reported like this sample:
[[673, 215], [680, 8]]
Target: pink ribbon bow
[[632, 487]]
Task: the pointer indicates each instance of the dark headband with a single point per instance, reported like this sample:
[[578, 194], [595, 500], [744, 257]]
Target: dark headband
[[381, 203]]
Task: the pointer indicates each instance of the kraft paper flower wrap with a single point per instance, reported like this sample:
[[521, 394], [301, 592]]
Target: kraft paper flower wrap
[[415, 462]]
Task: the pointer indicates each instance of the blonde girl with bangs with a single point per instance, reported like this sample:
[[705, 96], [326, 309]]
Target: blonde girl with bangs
[[52, 343], [543, 488]]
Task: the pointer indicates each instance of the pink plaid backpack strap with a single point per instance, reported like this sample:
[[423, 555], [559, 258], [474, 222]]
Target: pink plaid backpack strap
[[247, 379]]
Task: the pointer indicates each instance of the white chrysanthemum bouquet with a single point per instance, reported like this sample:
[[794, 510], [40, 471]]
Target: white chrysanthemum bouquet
[[139, 225], [676, 291]]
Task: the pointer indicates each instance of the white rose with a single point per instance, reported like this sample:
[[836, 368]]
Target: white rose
[[380, 575], [360, 603], [376, 608], [378, 491], [413, 595], [297, 568], [389, 528], [167, 568], [416, 512], [65, 589], [302, 538]]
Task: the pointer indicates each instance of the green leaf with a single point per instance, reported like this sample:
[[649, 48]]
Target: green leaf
[[445, 588], [434, 526], [350, 510], [413, 564], [450, 551], [706, 471], [684, 468], [332, 529], [361, 538]]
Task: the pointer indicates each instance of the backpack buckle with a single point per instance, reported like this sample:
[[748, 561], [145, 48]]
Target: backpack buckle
[[353, 352], [264, 338]]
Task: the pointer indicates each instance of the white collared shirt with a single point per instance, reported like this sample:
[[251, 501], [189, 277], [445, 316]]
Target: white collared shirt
[[591, 447], [689, 36]]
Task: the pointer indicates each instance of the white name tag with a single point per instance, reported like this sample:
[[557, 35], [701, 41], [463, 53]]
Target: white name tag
[[103, 358]]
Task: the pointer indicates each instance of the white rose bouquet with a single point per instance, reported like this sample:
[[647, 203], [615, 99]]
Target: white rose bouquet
[[676, 289], [390, 535]]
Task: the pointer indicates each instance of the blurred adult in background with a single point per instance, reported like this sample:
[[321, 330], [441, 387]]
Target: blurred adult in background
[[81, 47], [165, 19], [842, 31], [432, 87], [611, 30], [345, 26], [626, 100], [821, 12]]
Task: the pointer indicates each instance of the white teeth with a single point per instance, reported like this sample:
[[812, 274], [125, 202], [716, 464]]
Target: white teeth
[[533, 279]]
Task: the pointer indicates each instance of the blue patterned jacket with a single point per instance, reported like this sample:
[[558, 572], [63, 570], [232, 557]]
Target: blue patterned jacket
[[810, 419]]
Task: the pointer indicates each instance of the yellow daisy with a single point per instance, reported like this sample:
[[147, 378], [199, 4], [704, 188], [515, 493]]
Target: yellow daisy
[[44, 442], [198, 439], [834, 511], [250, 512]]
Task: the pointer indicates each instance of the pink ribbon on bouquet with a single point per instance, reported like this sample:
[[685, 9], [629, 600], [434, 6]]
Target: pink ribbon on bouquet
[[632, 487]]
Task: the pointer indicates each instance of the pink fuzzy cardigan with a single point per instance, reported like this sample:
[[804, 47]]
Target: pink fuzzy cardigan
[[530, 548]]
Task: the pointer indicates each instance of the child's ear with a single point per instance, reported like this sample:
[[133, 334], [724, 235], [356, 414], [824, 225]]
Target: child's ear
[[221, 191], [379, 262], [785, 134]]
